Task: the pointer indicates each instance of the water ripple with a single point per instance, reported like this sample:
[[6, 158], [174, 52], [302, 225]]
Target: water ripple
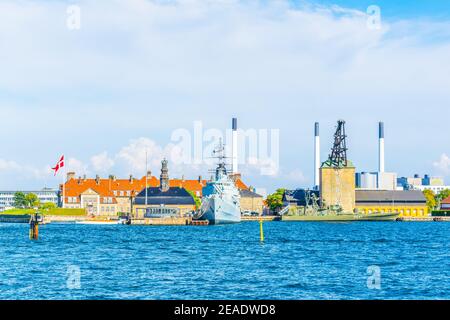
[[297, 261]]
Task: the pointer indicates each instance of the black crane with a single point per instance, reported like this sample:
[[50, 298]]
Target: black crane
[[338, 156]]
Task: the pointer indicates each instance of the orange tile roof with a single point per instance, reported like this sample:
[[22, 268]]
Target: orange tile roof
[[106, 187], [446, 201], [74, 189], [240, 184]]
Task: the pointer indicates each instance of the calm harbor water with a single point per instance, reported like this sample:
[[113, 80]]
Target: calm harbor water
[[297, 261]]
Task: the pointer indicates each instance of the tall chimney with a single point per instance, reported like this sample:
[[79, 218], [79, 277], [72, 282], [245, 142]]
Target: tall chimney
[[316, 156], [381, 167], [235, 147]]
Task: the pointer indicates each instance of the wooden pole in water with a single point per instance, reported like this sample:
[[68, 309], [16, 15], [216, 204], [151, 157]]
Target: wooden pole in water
[[34, 227], [261, 230]]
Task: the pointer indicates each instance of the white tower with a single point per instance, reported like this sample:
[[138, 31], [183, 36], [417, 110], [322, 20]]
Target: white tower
[[316, 156], [235, 147]]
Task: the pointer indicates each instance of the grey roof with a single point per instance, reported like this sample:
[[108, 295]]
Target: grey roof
[[174, 196], [249, 194], [379, 196]]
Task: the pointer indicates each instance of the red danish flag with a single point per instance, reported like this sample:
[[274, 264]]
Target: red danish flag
[[59, 165]]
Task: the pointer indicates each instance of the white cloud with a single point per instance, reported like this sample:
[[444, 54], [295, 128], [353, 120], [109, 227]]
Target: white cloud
[[175, 61], [101, 162], [296, 176], [77, 166], [134, 155], [443, 165], [6, 165]]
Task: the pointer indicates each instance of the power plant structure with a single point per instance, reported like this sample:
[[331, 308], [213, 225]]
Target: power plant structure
[[380, 180], [341, 197]]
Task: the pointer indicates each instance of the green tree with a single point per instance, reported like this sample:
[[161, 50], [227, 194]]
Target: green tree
[[198, 201], [275, 200], [431, 199], [20, 200], [444, 194], [32, 200]]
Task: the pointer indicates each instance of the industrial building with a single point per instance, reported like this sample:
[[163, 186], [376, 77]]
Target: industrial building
[[365, 192], [407, 203]]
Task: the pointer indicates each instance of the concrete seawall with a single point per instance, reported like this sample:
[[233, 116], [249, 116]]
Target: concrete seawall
[[51, 218], [7, 218], [176, 221]]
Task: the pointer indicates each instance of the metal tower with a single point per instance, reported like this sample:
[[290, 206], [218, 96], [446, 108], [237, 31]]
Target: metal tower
[[338, 156]]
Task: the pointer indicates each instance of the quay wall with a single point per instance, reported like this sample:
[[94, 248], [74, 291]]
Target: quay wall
[[173, 221]]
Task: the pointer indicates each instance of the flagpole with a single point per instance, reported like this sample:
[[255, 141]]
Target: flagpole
[[146, 180], [63, 184]]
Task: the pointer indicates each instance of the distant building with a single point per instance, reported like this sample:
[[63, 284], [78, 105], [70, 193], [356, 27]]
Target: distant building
[[407, 203], [251, 201], [45, 195], [435, 189], [93, 195], [432, 181], [163, 200], [435, 184], [410, 182]]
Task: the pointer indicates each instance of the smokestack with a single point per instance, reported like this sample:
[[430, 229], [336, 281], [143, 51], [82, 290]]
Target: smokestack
[[381, 167], [235, 147], [316, 156]]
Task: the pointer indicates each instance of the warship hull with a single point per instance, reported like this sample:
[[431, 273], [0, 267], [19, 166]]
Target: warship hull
[[343, 217], [221, 211]]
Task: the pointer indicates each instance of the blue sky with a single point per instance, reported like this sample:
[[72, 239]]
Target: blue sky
[[395, 9], [138, 70]]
